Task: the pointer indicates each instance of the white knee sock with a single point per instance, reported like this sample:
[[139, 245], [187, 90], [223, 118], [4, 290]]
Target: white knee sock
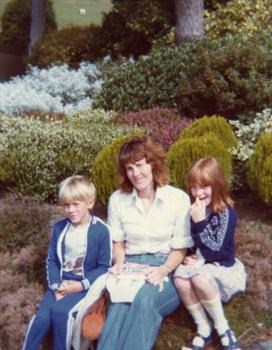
[[201, 320], [215, 309]]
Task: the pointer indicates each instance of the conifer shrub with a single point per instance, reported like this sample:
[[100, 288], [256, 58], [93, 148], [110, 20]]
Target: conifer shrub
[[104, 172], [16, 20], [130, 33], [36, 155], [185, 151], [260, 168], [212, 124], [70, 46], [163, 125]]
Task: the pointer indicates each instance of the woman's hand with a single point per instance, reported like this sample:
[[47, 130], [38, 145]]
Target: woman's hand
[[156, 275], [116, 269], [68, 287], [198, 210]]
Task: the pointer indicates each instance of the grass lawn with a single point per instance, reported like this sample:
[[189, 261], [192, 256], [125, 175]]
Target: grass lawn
[[68, 11]]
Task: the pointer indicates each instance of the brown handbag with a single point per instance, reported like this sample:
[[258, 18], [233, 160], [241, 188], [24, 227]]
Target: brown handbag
[[93, 321]]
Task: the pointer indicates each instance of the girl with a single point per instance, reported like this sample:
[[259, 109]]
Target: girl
[[212, 274]]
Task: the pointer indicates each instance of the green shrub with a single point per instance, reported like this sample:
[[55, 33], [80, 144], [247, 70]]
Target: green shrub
[[185, 151], [213, 124], [16, 19], [241, 17], [104, 173], [150, 82], [36, 155], [69, 45], [228, 77], [260, 168]]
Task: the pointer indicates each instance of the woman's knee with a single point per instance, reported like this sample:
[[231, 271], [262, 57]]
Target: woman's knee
[[146, 297]]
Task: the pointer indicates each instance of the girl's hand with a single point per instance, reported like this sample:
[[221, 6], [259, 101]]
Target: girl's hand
[[156, 275], [190, 260], [198, 210], [69, 287], [116, 269]]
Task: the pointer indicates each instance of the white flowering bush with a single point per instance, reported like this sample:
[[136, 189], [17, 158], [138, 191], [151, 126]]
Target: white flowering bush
[[248, 134], [56, 89], [35, 155]]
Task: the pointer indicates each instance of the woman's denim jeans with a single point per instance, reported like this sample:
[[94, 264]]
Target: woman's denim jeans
[[135, 326]]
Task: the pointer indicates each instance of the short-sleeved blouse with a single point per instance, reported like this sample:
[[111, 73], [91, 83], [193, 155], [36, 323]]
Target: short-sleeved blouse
[[166, 226]]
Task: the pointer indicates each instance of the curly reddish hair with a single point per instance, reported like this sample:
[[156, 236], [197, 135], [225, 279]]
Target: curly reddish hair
[[136, 149]]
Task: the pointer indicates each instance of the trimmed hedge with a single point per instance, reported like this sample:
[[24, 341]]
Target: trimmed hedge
[[260, 168], [185, 151], [212, 124]]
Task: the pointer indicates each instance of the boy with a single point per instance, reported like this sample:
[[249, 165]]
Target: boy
[[79, 252]]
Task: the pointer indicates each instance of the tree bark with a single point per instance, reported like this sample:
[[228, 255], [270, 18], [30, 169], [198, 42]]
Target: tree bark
[[189, 21], [37, 27]]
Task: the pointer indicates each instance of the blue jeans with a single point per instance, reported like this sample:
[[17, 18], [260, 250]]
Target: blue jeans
[[135, 326]]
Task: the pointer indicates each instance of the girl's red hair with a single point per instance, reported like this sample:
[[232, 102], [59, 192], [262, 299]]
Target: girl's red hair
[[208, 172]]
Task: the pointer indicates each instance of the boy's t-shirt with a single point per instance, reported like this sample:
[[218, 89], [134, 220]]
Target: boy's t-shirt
[[75, 245]]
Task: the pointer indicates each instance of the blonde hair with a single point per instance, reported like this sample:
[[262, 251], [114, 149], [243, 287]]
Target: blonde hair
[[75, 188], [208, 172]]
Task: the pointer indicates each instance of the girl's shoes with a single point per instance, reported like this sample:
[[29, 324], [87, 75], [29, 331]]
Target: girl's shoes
[[229, 341], [198, 343]]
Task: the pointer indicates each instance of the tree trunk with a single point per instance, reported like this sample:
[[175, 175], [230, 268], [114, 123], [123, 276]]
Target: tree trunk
[[38, 15], [189, 21]]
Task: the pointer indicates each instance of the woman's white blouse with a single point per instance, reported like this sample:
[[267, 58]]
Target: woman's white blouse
[[166, 226]]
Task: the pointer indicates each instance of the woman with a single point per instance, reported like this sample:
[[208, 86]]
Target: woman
[[150, 224]]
